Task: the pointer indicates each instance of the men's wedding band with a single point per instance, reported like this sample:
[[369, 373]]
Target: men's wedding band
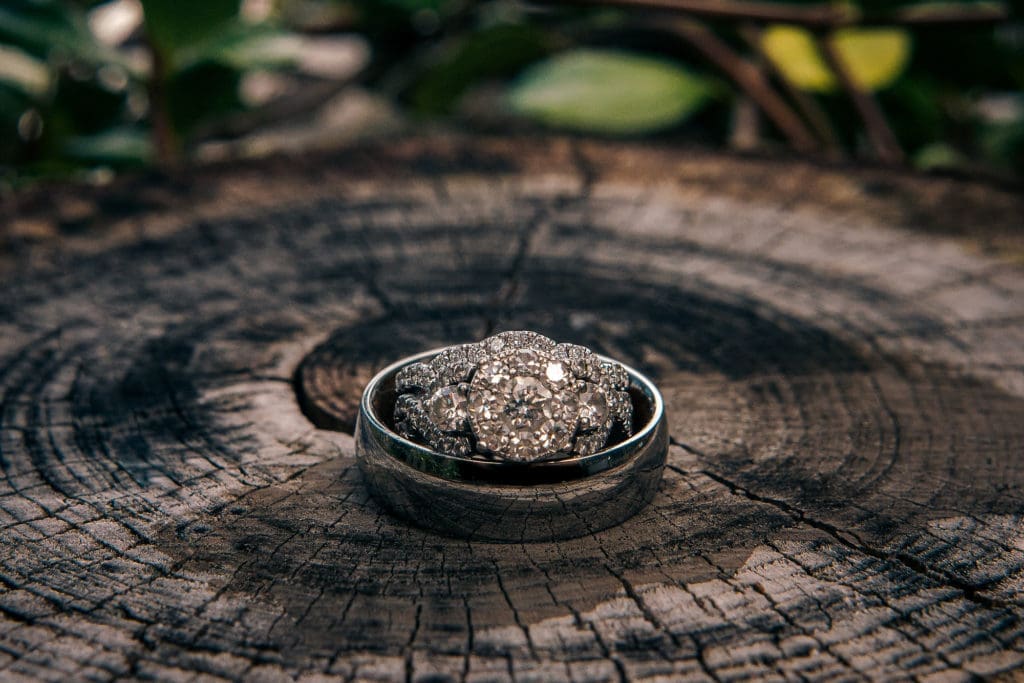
[[495, 498]]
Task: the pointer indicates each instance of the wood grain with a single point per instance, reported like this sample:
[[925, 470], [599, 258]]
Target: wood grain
[[841, 351]]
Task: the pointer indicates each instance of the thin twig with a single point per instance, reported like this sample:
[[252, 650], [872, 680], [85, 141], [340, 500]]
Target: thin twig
[[746, 124], [751, 79], [820, 15], [880, 134], [950, 13], [808, 106]]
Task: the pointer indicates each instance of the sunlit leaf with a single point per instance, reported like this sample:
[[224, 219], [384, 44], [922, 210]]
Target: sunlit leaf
[[875, 57], [24, 72], [608, 91], [115, 22], [244, 46], [795, 54], [45, 27], [938, 155], [265, 51]]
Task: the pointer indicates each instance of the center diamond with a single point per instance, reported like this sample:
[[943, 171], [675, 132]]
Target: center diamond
[[522, 406]]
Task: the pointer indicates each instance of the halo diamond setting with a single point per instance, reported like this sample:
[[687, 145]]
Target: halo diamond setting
[[515, 396]]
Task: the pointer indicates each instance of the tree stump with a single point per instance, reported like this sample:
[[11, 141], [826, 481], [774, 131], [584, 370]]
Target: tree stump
[[841, 352]]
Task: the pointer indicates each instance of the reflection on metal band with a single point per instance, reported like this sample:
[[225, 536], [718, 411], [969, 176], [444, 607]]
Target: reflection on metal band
[[510, 501]]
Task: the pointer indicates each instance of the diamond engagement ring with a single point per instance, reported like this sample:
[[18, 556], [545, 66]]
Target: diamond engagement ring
[[514, 396], [512, 439]]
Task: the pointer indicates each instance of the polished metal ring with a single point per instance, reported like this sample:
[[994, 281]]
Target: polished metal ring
[[494, 499]]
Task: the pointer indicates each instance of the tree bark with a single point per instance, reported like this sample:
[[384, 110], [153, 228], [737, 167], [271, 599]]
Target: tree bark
[[841, 352]]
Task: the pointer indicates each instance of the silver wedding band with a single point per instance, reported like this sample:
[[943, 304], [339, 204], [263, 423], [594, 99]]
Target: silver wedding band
[[503, 500]]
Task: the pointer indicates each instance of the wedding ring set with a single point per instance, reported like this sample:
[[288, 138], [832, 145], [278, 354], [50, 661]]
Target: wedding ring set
[[514, 438]]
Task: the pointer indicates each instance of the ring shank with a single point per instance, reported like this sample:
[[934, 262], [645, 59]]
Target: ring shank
[[508, 501]]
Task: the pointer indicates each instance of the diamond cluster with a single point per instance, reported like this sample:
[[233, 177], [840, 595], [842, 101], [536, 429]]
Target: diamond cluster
[[522, 405], [515, 396]]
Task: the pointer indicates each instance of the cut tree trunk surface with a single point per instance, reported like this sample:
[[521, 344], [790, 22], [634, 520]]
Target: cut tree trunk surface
[[843, 367]]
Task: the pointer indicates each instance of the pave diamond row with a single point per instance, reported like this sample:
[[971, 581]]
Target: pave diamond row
[[515, 395]]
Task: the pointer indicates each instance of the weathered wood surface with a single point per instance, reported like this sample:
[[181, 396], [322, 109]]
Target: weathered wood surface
[[844, 371]]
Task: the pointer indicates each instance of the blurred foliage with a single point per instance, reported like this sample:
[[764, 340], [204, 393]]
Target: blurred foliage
[[606, 91], [876, 57], [76, 95], [492, 52]]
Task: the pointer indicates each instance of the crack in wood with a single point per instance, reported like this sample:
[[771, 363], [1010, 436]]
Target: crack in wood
[[848, 538]]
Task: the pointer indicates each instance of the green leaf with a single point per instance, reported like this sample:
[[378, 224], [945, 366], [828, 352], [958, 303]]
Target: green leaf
[[608, 91], [938, 155], [201, 94], [177, 25], [498, 51], [43, 27], [916, 107], [116, 146], [243, 46], [875, 57]]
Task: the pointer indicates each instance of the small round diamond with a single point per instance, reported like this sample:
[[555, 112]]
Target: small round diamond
[[447, 408], [593, 407], [520, 406], [555, 371]]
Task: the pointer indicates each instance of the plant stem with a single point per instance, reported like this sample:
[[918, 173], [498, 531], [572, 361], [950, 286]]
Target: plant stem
[[808, 106], [880, 134], [746, 124], [166, 144], [750, 79], [950, 13]]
